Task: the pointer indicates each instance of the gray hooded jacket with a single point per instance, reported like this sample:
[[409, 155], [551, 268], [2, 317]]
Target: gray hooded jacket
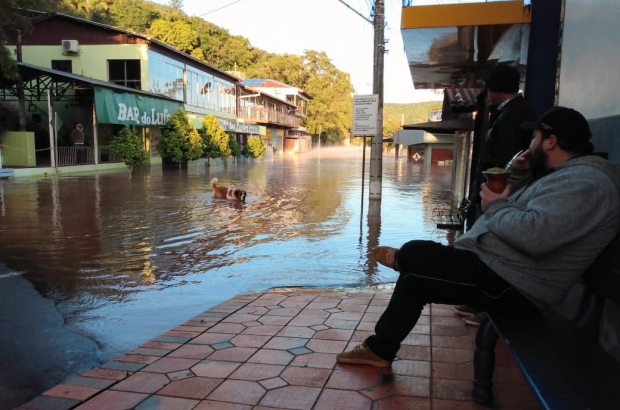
[[545, 235]]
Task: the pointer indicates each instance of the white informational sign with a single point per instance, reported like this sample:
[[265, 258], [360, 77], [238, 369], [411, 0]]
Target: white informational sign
[[365, 108]]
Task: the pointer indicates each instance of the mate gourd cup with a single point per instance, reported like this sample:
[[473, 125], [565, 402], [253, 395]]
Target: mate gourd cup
[[497, 179]]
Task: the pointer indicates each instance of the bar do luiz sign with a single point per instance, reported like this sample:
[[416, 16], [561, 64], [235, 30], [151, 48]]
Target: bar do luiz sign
[[132, 109]]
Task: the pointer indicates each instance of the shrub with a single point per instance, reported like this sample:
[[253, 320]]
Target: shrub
[[180, 141], [235, 151], [127, 145], [254, 148], [214, 139]]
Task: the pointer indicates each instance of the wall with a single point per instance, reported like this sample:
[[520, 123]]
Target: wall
[[18, 149], [588, 76], [92, 60]]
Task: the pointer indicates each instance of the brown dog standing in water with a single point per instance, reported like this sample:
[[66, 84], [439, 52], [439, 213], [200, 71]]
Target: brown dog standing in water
[[222, 192]]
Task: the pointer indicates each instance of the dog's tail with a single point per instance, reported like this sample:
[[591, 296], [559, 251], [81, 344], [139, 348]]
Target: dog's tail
[[214, 181]]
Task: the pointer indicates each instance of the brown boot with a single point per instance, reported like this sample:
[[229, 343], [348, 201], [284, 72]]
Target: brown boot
[[384, 255], [361, 354]]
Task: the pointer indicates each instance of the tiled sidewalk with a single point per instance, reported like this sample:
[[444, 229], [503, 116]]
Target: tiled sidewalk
[[277, 350]]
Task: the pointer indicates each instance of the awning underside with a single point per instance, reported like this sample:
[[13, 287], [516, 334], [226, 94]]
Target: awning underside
[[456, 45]]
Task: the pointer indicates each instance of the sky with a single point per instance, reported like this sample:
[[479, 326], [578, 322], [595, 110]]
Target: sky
[[292, 26]]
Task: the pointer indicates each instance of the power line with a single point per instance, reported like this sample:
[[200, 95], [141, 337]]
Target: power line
[[356, 12], [223, 7]]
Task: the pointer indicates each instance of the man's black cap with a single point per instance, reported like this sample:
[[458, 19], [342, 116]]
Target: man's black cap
[[565, 123], [503, 79]]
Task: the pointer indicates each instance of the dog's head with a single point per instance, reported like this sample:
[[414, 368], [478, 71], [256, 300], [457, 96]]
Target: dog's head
[[240, 194]]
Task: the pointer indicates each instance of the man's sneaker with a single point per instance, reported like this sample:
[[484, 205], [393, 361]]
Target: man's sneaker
[[464, 310], [475, 320], [384, 255], [361, 354]]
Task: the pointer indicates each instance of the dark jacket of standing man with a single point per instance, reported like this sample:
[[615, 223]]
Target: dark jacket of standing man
[[77, 135], [505, 137]]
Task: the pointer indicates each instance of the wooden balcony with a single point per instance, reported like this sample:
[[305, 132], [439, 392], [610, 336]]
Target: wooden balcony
[[266, 116]]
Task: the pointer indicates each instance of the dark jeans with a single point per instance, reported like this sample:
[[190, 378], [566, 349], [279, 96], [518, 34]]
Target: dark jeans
[[434, 273], [80, 153]]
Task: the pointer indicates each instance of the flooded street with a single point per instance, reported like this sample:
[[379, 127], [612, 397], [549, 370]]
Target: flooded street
[[127, 257]]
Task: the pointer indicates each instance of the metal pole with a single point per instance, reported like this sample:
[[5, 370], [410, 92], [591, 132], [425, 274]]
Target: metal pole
[[20, 86], [95, 134], [363, 171], [376, 147], [50, 116]]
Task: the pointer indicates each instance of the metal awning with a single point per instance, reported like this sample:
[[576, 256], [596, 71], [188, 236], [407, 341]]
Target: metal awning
[[37, 80], [441, 127], [456, 45]]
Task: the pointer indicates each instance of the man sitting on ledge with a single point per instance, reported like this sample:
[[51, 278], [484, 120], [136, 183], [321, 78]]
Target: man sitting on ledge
[[526, 251]]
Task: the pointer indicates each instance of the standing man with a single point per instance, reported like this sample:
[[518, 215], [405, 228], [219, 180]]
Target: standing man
[[525, 252], [505, 137], [77, 135]]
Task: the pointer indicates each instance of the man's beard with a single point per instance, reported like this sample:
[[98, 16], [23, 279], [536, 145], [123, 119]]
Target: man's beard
[[538, 161]]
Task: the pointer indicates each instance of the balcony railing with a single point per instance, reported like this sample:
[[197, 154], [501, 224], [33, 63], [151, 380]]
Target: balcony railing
[[269, 116], [76, 155]]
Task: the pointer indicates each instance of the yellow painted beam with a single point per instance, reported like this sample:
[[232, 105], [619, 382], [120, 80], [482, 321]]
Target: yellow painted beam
[[466, 14]]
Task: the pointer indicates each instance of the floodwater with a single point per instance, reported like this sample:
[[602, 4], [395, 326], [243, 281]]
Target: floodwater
[[126, 257]]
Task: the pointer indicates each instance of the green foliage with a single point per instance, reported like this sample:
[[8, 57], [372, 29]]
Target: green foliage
[[414, 113], [214, 139], [178, 34], [391, 124], [235, 151], [176, 4], [254, 148], [127, 145], [11, 19], [94, 10], [180, 141], [134, 15]]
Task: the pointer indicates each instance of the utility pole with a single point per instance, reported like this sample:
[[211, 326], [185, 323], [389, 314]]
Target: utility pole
[[376, 147]]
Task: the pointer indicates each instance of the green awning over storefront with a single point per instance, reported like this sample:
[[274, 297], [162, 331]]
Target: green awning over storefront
[[132, 109], [240, 127]]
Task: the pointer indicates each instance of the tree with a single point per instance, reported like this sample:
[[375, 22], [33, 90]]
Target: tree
[[235, 151], [176, 4], [12, 19], [128, 145], [391, 124], [254, 148], [215, 139], [180, 140], [331, 89], [94, 10], [135, 15], [223, 50], [288, 69], [178, 34]]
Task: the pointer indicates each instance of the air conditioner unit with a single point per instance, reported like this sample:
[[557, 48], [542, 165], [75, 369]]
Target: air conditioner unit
[[70, 47]]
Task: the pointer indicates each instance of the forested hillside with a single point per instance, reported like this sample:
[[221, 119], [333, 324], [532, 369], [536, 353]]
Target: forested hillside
[[331, 89], [414, 113]]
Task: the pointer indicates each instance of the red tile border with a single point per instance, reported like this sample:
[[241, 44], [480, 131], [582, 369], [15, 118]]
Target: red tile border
[[277, 351]]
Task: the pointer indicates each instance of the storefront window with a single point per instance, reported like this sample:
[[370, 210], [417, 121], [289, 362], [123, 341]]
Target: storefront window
[[207, 91], [165, 76], [125, 73], [202, 89]]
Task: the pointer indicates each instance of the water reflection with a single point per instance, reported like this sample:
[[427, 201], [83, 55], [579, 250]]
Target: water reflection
[[126, 257]]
